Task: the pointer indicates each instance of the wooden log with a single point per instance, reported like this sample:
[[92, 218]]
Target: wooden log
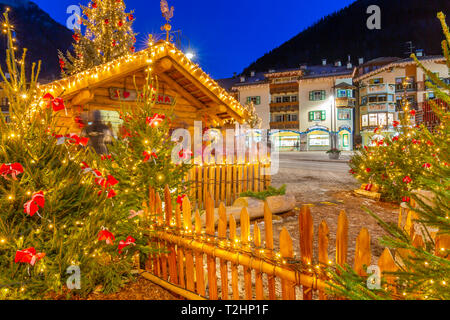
[[324, 237], [187, 220], [229, 184], [363, 254], [258, 275], [211, 233], [268, 227], [217, 185], [245, 236], [199, 258], [234, 266], [223, 224], [306, 243], [287, 252]]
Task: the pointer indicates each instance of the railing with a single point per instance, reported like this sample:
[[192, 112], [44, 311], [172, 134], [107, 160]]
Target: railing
[[230, 263], [226, 182], [285, 125], [377, 88]]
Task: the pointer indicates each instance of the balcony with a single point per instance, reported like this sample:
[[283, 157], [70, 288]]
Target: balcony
[[284, 107], [378, 107], [345, 102], [285, 125], [411, 87], [377, 89], [284, 87]]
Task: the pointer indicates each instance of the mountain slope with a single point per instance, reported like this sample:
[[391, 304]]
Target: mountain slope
[[345, 33], [41, 35]]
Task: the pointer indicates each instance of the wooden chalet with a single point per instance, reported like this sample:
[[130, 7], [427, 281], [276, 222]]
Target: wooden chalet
[[182, 85]]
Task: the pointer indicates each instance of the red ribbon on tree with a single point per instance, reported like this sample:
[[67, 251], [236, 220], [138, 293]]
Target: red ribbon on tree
[[180, 200], [123, 244], [156, 120], [56, 103], [107, 236], [11, 169], [149, 155], [32, 206], [28, 256]]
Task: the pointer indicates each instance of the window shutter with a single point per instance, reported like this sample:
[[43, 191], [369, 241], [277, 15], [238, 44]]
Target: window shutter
[[249, 99], [258, 100], [323, 95], [311, 96], [324, 115], [311, 116]]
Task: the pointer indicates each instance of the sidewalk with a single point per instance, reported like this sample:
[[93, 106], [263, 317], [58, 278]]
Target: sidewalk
[[317, 156]]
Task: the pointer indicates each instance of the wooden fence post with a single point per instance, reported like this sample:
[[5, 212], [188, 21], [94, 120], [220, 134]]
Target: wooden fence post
[[363, 255], [171, 247], [245, 236], [187, 219], [324, 233], [258, 275], [306, 243], [268, 227], [287, 252], [223, 222], [211, 234], [342, 239], [234, 267], [199, 258]]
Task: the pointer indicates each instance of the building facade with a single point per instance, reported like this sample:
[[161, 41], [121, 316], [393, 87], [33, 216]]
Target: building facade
[[383, 85]]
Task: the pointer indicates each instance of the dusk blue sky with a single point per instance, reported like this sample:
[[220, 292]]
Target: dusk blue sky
[[226, 35]]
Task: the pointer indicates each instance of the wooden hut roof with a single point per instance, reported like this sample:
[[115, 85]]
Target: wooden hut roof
[[172, 66]]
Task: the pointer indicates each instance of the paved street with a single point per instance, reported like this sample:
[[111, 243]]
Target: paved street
[[312, 177]]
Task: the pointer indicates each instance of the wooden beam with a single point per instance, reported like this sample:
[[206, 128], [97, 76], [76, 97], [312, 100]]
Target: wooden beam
[[186, 95]]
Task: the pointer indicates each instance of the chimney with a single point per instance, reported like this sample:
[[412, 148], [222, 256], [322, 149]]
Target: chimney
[[361, 61], [252, 74], [271, 70], [234, 74], [420, 53], [303, 67], [242, 79], [324, 62], [338, 63], [349, 65]]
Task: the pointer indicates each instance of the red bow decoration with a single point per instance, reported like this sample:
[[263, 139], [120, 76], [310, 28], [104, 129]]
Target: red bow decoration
[[426, 166], [396, 124], [368, 187], [185, 154], [28, 256], [107, 236], [156, 120], [56, 103], [407, 180], [108, 157], [368, 170], [406, 199], [414, 141], [107, 183], [123, 244], [149, 155], [32, 206], [413, 112], [11, 169], [395, 138], [180, 200], [74, 139]]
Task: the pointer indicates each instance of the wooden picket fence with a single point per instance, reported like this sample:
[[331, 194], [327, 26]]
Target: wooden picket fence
[[224, 263], [226, 182]]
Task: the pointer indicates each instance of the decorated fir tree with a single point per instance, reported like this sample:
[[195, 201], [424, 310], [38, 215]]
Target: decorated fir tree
[[144, 156], [55, 212], [108, 35], [422, 253]]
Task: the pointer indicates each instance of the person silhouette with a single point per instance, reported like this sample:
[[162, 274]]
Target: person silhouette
[[99, 134]]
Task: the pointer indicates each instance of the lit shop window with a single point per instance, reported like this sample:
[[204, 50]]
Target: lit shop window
[[344, 114]]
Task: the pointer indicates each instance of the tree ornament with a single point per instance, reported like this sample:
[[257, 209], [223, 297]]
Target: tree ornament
[[32, 206], [128, 242], [11, 169], [28, 256], [105, 235]]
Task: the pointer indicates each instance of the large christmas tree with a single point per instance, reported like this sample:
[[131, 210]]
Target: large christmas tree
[[108, 34], [55, 215], [422, 254]]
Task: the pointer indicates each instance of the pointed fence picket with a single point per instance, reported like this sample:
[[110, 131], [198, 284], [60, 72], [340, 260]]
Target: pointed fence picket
[[226, 182], [231, 263]]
